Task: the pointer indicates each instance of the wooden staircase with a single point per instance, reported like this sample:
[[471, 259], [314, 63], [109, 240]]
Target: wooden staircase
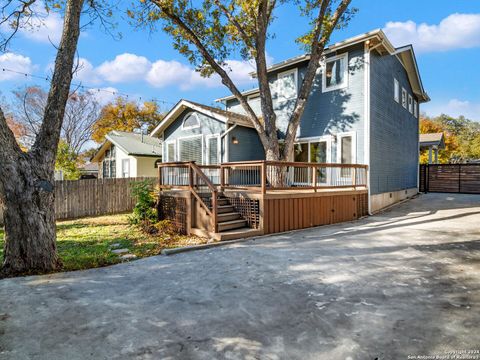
[[228, 218]]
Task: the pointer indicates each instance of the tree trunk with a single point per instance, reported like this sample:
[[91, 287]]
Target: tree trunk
[[29, 216]]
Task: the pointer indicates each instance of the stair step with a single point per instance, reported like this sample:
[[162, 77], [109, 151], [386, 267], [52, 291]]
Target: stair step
[[228, 216], [223, 202], [222, 209], [230, 225]]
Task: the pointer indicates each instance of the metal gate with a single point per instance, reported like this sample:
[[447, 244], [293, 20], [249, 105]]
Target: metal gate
[[450, 178]]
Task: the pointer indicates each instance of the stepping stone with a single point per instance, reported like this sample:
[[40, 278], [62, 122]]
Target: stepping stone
[[120, 251], [116, 245], [128, 257]]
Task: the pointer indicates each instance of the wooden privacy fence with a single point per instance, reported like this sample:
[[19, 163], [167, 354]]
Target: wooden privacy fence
[[92, 197], [450, 178]]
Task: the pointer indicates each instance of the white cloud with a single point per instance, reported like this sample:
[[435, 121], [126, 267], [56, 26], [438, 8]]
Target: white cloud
[[15, 62], [161, 73], [456, 31], [453, 107], [124, 68]]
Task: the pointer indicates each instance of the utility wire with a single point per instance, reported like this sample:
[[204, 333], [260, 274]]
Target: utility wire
[[85, 87]]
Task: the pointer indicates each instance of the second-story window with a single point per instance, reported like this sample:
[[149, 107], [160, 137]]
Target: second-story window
[[335, 73], [287, 85], [396, 90]]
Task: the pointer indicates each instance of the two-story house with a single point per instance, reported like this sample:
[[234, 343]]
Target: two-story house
[[363, 109]]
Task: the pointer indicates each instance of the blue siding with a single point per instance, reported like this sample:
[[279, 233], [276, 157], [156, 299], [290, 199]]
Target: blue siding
[[338, 111], [249, 146], [394, 130], [208, 126]]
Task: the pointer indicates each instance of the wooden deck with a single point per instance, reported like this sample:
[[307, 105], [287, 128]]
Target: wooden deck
[[238, 200]]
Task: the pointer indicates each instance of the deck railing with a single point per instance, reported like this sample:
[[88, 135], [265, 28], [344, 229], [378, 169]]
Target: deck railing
[[189, 176], [261, 176], [281, 175]]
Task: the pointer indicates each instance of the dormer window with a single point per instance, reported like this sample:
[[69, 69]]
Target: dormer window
[[335, 73], [191, 121]]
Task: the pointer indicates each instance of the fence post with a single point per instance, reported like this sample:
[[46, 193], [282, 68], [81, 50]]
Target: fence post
[[314, 178], [214, 212], [354, 177], [190, 176], [264, 177], [222, 177], [459, 178]]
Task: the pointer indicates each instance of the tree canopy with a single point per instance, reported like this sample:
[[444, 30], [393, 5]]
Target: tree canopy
[[125, 115], [462, 138]]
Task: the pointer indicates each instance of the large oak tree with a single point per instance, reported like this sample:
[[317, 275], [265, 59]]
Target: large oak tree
[[27, 178], [208, 32]]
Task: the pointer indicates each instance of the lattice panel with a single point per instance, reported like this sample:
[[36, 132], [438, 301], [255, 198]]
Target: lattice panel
[[248, 208], [174, 209]]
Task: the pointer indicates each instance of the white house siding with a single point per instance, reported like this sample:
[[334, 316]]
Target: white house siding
[[146, 166]]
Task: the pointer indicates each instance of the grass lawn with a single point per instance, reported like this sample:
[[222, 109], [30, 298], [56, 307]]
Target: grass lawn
[[87, 243]]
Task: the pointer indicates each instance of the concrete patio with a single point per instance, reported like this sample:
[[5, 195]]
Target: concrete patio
[[404, 282]]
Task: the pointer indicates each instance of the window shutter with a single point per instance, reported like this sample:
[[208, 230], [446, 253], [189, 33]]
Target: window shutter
[[191, 150], [213, 151]]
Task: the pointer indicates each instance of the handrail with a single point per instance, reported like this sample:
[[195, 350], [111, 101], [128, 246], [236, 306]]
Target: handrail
[[214, 212]]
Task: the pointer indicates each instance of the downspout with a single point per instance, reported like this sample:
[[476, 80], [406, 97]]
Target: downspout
[[366, 99]]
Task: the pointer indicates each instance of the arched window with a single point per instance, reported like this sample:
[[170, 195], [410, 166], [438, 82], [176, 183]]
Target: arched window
[[191, 121]]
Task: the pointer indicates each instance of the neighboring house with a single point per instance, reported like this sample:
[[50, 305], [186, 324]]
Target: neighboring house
[[363, 108], [125, 154], [89, 171], [433, 142]]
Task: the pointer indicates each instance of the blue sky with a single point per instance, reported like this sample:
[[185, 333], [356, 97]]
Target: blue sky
[[445, 35]]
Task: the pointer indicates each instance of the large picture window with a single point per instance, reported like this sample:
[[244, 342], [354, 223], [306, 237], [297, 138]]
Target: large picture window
[[335, 73]]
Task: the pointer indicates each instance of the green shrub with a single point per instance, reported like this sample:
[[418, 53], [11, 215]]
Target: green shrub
[[144, 212]]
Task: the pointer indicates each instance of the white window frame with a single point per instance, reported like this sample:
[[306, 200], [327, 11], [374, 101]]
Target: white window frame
[[404, 98], [125, 161], [207, 148], [175, 155], [316, 139], [282, 74], [187, 116], [396, 90], [345, 73], [353, 134], [410, 104], [179, 146], [415, 108]]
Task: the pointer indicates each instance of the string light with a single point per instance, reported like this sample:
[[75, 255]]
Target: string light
[[85, 87]]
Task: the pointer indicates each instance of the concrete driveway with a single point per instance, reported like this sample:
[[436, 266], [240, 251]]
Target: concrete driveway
[[405, 282]]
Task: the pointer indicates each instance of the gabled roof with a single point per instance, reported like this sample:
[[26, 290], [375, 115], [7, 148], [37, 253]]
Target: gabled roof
[[432, 139], [131, 143], [227, 117], [378, 41]]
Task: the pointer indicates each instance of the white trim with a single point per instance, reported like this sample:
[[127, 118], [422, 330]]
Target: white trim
[[191, 113], [293, 71], [181, 106], [167, 155], [415, 108], [316, 139], [219, 148], [404, 97], [342, 85], [125, 161], [353, 135], [179, 148], [367, 119], [410, 104], [396, 90]]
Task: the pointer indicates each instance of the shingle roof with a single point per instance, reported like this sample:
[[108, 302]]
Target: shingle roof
[[435, 139], [233, 117], [135, 144]]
